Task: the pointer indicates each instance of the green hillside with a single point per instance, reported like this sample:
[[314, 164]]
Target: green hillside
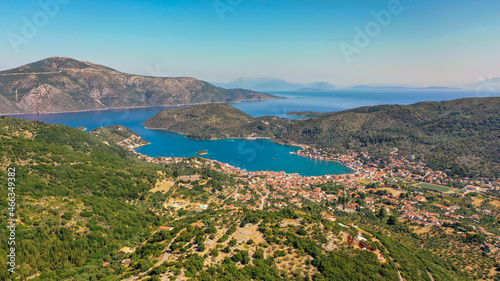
[[120, 135], [79, 201], [215, 121], [459, 136]]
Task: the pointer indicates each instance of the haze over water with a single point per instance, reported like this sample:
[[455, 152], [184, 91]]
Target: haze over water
[[253, 155]]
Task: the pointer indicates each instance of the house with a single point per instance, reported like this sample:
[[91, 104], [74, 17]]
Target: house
[[199, 225], [329, 217], [189, 178], [489, 247], [167, 228], [419, 198]]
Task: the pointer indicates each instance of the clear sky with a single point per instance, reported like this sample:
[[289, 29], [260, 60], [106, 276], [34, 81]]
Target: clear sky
[[424, 43]]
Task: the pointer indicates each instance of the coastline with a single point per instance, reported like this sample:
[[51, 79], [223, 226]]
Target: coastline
[[324, 159], [138, 106]]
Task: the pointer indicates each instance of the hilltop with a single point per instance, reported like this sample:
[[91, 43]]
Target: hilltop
[[214, 121], [60, 84], [459, 136]]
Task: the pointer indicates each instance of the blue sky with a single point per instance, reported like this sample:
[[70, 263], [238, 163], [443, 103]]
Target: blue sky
[[424, 43]]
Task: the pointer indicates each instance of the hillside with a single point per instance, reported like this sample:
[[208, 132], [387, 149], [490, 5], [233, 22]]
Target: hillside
[[64, 85], [88, 210], [459, 136], [214, 121], [305, 113], [120, 135]]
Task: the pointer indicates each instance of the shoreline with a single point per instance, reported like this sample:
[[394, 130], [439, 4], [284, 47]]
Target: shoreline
[[330, 160], [136, 107]]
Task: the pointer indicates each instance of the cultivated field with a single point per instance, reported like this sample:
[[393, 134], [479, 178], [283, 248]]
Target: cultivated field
[[435, 187]]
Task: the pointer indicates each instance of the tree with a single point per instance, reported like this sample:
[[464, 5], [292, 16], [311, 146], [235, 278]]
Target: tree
[[392, 220], [382, 213]]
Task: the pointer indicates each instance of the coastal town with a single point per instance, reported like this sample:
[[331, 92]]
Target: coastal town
[[419, 196]]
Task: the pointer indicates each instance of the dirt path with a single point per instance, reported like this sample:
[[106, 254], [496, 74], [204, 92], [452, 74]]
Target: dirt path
[[400, 276], [165, 257], [430, 275], [263, 200]]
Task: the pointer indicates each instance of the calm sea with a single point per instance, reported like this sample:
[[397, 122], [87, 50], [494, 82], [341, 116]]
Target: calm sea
[[253, 155]]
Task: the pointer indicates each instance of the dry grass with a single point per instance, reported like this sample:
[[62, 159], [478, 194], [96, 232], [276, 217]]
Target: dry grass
[[163, 186], [421, 230]]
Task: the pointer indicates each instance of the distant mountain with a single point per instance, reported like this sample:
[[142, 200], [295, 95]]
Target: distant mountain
[[274, 84], [63, 85], [489, 84], [399, 87]]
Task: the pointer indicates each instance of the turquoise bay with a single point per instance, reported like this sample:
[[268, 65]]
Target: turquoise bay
[[252, 155]]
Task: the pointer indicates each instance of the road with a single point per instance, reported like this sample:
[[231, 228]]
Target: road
[[263, 200]]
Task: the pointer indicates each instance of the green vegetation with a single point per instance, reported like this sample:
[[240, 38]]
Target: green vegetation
[[435, 187], [214, 121], [120, 135], [70, 198], [305, 113], [81, 200]]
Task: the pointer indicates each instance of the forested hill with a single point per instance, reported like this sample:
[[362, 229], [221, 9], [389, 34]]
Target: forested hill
[[460, 136], [70, 199], [215, 121], [59, 84]]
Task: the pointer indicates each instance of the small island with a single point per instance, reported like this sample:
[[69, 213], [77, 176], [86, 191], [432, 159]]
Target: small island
[[202, 152]]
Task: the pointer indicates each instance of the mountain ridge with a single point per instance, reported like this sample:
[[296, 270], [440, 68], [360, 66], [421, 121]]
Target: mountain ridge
[[60, 84], [274, 84]]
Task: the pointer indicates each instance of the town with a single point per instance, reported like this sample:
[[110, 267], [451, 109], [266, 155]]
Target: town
[[418, 195]]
